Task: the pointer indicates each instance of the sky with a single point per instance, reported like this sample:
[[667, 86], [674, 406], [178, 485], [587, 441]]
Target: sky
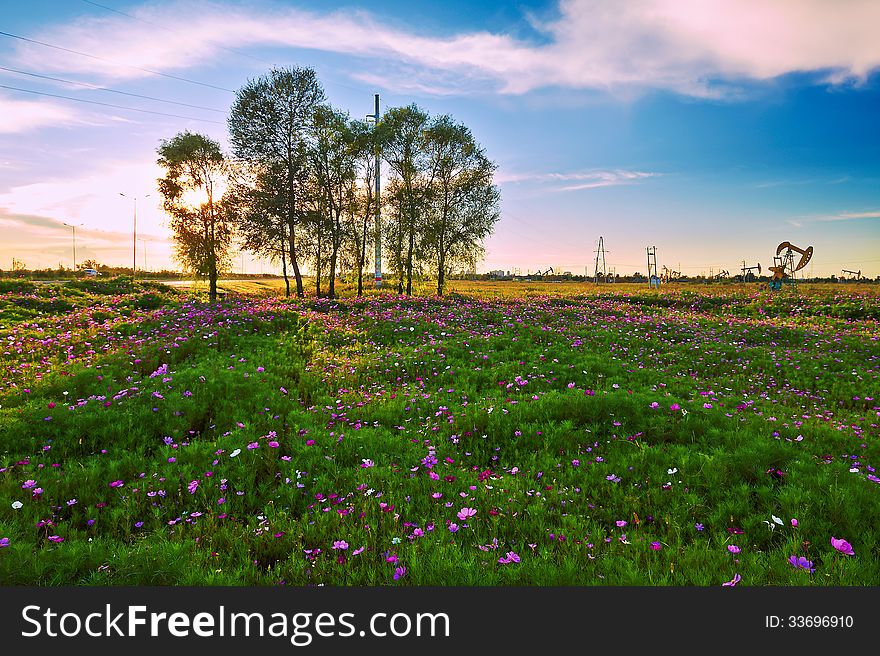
[[713, 130]]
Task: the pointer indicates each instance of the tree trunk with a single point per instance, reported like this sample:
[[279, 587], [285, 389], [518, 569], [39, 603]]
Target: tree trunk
[[409, 258], [363, 256], [441, 272], [284, 268], [212, 253], [331, 292], [318, 272], [293, 262]]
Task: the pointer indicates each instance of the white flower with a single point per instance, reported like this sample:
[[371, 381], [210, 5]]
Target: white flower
[[777, 519], [672, 471], [235, 453], [16, 505]]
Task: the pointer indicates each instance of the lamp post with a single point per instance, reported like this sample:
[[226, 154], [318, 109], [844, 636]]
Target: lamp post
[[72, 226], [134, 235]]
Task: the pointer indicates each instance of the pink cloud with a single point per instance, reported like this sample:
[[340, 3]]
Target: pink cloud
[[680, 45]]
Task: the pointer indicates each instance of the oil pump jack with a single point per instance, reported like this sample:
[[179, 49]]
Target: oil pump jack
[[783, 263], [747, 275]]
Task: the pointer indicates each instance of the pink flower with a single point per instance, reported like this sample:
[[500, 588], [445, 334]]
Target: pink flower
[[273, 444], [465, 513], [453, 527], [842, 546], [794, 523], [656, 546], [655, 405], [342, 545], [193, 486], [732, 548], [28, 484], [116, 484], [675, 407]]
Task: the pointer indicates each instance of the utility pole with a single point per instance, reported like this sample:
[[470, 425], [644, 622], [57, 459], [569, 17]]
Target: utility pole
[[134, 235], [70, 225], [652, 266], [378, 225], [600, 253]]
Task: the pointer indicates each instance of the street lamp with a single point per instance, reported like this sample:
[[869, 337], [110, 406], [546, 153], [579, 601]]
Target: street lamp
[[70, 225], [134, 235]]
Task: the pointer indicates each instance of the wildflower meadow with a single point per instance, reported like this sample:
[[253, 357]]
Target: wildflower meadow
[[688, 436]]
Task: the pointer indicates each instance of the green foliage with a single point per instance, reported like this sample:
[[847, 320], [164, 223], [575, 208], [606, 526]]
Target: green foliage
[[151, 438]]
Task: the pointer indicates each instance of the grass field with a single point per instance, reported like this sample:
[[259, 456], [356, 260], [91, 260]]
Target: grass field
[[506, 434]]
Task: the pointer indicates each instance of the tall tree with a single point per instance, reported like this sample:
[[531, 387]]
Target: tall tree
[[333, 159], [360, 197], [463, 200], [270, 124], [194, 170], [402, 136]]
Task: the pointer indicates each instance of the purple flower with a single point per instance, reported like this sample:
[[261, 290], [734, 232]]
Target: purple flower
[[399, 573], [342, 545], [116, 484], [4, 542], [511, 557], [842, 546], [56, 538], [736, 579], [699, 526], [193, 486], [732, 548], [655, 405], [28, 484], [802, 563], [656, 546], [453, 527]]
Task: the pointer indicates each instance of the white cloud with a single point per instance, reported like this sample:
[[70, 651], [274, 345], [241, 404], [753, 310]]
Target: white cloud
[[92, 197], [687, 46], [852, 216], [25, 115], [580, 179]]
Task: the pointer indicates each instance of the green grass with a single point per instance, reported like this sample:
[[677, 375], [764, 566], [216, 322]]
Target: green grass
[[348, 418]]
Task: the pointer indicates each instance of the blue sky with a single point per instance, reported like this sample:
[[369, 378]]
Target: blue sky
[[713, 130]]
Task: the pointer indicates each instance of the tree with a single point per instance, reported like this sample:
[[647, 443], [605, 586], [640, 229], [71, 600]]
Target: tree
[[463, 200], [194, 167], [333, 157], [402, 141], [270, 125], [257, 197], [360, 197]]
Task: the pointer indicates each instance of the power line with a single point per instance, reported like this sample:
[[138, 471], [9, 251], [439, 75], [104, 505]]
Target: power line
[[110, 61], [102, 104], [100, 88]]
